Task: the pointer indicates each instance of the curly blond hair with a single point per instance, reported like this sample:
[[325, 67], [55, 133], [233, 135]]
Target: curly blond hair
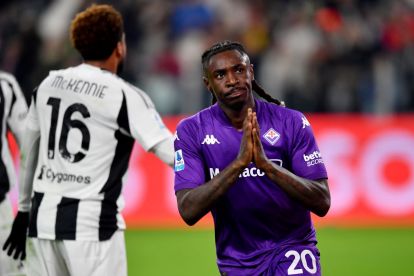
[[96, 31]]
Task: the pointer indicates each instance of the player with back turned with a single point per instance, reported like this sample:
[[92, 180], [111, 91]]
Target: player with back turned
[[13, 110], [256, 167], [80, 131]]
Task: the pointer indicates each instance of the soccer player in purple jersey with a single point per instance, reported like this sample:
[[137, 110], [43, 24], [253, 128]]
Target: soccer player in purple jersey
[[256, 166]]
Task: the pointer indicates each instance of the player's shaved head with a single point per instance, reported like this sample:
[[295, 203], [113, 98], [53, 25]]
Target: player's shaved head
[[96, 31]]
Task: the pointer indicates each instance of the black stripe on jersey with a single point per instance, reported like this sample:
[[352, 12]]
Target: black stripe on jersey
[[36, 201], [147, 104], [4, 177], [34, 95], [113, 186], [14, 98], [67, 212]]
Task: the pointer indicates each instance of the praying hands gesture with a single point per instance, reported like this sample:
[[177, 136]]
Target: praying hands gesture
[[313, 194], [251, 148]]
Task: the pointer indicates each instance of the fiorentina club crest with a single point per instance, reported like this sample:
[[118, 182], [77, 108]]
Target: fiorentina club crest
[[271, 136]]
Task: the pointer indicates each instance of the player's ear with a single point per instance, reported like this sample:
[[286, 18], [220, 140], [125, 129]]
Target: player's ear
[[120, 49], [207, 84]]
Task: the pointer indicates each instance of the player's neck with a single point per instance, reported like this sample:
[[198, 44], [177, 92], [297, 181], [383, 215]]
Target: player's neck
[[108, 64], [236, 115]]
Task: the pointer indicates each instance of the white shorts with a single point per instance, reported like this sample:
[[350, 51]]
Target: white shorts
[[77, 258], [8, 266]]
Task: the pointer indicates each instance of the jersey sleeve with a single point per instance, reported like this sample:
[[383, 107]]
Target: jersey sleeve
[[28, 160], [188, 161], [145, 123], [306, 158], [18, 110], [32, 118], [28, 156]]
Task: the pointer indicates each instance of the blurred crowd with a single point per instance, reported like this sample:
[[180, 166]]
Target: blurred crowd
[[317, 56]]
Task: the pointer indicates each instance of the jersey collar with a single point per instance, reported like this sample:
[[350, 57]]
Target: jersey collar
[[222, 117]]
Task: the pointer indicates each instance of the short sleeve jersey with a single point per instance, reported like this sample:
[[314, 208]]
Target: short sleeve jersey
[[13, 110], [255, 216], [88, 119]]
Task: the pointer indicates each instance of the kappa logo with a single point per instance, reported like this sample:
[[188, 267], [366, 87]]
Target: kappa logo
[[272, 136], [176, 136], [210, 140], [305, 122]]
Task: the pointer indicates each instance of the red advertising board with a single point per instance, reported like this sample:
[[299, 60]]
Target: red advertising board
[[370, 163]]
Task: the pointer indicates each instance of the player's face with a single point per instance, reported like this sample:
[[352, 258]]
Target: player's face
[[229, 77]]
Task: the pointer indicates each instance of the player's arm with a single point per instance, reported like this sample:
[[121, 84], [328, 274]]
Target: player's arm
[[16, 242], [313, 194], [195, 203], [28, 163], [18, 110], [143, 122], [164, 150]]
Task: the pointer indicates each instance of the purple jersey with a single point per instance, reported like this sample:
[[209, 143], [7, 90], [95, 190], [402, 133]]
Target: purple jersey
[[255, 217]]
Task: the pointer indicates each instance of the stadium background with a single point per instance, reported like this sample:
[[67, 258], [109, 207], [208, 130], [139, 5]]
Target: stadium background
[[347, 64]]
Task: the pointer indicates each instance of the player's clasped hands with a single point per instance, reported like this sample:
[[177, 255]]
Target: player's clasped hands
[[251, 148]]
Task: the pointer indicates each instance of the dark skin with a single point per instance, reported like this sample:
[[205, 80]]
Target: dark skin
[[112, 62], [228, 76]]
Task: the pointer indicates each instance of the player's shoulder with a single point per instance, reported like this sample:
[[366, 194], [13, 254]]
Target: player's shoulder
[[10, 79], [132, 89], [86, 73], [287, 118], [58, 73], [136, 94], [6, 76], [195, 121], [188, 124], [278, 112], [277, 109]]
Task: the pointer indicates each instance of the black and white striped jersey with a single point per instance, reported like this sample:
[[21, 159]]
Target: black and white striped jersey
[[13, 110], [88, 120]]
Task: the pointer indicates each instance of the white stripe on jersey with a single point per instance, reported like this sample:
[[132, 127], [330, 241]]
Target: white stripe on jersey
[[88, 220], [48, 209], [13, 109], [88, 119]]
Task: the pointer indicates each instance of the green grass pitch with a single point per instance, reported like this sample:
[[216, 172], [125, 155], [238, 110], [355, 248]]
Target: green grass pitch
[[344, 252]]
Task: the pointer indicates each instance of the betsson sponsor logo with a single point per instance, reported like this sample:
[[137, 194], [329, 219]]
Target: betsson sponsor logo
[[313, 158]]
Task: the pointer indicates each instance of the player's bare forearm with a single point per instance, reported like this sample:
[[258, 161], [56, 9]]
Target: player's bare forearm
[[193, 204], [313, 194]]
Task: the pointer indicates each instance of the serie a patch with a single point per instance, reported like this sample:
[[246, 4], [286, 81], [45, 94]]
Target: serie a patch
[[179, 161]]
